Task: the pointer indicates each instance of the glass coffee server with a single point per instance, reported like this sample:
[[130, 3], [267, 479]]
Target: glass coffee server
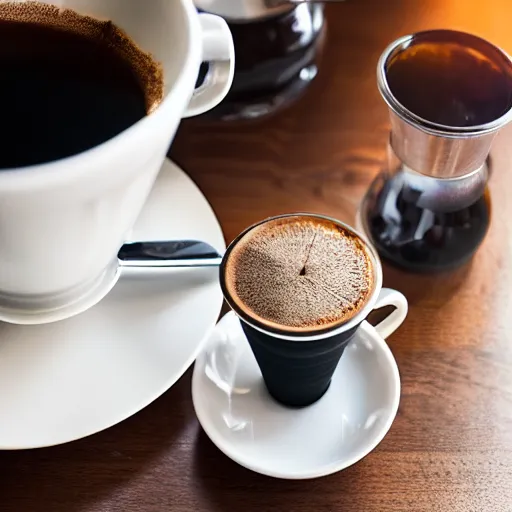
[[448, 94], [277, 47]]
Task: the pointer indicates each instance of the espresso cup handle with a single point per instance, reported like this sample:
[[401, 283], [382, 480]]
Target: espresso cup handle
[[394, 320], [219, 53]]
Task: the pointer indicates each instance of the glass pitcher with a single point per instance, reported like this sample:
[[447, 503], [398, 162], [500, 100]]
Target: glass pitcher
[[448, 94], [277, 52]]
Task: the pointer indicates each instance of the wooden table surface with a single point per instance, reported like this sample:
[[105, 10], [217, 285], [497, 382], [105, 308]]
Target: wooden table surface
[[450, 448]]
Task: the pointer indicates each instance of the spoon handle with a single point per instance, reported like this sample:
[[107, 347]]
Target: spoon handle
[[169, 254]]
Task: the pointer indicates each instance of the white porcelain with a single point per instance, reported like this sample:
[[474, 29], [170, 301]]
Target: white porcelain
[[347, 423], [66, 380], [62, 223]]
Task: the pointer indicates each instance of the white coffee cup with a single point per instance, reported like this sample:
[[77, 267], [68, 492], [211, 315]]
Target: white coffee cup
[[62, 223]]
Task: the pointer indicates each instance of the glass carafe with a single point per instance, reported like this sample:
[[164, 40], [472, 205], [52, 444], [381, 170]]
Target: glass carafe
[[277, 50], [448, 94]]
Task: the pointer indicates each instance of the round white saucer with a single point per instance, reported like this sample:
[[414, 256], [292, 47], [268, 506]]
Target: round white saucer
[[70, 379], [348, 422]]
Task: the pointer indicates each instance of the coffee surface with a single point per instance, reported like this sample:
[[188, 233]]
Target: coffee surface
[[299, 273], [450, 83], [68, 82]]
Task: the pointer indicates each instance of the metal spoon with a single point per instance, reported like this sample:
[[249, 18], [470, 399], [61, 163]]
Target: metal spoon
[[168, 254]]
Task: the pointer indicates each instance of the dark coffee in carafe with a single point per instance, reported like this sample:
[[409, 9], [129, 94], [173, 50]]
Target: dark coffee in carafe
[[422, 238], [68, 83], [277, 54], [448, 94]]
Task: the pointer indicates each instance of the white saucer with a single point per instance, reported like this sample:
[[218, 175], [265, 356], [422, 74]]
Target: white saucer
[[70, 379], [347, 423]]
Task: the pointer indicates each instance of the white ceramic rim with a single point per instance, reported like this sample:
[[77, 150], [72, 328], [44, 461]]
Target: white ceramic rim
[[28, 177]]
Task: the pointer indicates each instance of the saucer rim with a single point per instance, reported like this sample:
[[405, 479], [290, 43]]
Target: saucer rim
[[167, 166], [319, 471]]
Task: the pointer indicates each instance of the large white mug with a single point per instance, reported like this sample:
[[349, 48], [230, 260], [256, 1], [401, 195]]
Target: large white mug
[[62, 223]]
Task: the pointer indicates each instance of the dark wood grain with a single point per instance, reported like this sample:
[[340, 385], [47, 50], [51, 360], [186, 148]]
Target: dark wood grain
[[450, 448]]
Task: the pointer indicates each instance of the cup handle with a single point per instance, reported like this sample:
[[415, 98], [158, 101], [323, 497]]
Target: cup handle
[[219, 53], [394, 320]]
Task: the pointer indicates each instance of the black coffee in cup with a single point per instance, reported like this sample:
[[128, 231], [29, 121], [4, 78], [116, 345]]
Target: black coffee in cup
[[68, 83], [296, 281]]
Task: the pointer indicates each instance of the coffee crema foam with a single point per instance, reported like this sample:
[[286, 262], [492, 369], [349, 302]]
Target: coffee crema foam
[[148, 71], [299, 273]]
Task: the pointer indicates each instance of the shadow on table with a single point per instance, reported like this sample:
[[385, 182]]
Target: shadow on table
[[226, 487], [75, 476], [432, 288]]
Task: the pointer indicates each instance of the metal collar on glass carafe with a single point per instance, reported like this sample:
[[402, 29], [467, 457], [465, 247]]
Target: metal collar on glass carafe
[[252, 10], [243, 10], [429, 148]]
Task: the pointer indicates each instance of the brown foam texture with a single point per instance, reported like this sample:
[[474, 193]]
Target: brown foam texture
[[300, 274], [147, 69]]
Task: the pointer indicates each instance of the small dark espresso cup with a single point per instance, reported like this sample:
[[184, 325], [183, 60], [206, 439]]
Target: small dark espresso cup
[[297, 369]]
